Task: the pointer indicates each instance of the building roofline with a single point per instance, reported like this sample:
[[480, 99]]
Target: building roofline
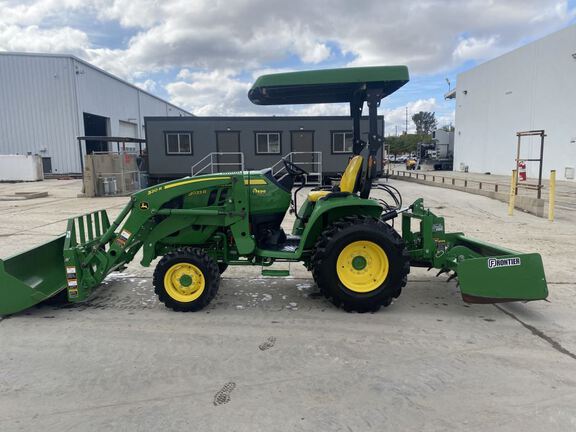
[[247, 118], [90, 65]]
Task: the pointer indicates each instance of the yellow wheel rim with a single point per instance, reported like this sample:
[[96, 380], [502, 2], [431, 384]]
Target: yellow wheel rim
[[362, 266], [184, 282]]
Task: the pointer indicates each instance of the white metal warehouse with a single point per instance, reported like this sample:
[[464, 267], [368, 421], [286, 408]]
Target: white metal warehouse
[[48, 100], [531, 88]]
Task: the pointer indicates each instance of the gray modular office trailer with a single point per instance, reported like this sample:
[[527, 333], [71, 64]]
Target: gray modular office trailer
[[174, 145]]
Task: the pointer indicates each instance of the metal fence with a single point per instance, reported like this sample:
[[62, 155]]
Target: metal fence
[[117, 174]]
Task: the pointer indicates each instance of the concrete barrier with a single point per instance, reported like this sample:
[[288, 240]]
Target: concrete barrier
[[21, 168], [530, 205]]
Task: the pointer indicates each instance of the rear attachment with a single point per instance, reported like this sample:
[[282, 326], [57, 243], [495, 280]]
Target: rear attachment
[[486, 273]]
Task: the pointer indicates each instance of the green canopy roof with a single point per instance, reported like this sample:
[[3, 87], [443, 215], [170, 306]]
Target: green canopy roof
[[327, 85]]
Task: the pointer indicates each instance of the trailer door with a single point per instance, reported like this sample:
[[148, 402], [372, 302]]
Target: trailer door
[[228, 143]]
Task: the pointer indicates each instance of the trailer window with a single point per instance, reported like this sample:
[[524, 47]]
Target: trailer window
[[178, 143], [342, 142], [267, 142]]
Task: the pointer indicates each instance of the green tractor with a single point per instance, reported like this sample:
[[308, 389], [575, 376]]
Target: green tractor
[[201, 225]]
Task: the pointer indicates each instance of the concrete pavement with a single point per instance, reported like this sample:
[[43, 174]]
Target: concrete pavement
[[269, 354]]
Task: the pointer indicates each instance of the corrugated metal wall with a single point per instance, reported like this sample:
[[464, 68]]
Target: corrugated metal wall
[[37, 109], [43, 98]]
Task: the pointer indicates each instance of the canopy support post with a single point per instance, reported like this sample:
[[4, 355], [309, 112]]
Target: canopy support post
[[375, 140], [356, 105]]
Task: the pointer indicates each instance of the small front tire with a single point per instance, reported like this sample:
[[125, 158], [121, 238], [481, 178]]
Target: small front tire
[[186, 280]]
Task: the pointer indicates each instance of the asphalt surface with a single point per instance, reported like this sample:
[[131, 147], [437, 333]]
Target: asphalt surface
[[269, 354]]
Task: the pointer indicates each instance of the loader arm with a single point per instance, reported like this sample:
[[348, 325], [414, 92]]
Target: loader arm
[[146, 222]]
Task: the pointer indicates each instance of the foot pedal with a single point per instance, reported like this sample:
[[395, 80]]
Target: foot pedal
[[275, 273]]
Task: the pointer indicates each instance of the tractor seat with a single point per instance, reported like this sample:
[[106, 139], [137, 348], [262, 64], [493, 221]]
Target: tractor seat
[[349, 183]]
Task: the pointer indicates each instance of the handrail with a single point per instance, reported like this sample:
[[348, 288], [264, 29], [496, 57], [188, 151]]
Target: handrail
[[431, 177], [211, 163]]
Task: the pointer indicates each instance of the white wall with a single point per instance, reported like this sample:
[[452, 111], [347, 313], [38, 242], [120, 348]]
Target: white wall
[[533, 87], [20, 168]]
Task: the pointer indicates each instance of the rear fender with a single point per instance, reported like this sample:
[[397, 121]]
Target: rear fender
[[326, 211]]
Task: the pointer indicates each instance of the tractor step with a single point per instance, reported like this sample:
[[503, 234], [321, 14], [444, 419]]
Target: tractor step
[[275, 273]]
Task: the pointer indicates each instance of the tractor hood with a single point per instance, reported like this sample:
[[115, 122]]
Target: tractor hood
[[327, 85]]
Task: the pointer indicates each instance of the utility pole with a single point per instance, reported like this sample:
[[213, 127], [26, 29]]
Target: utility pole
[[406, 130]]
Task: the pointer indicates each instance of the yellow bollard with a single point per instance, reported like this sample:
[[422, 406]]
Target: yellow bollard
[[512, 201], [552, 195]]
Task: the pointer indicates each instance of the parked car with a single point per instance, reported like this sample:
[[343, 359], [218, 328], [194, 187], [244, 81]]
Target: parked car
[[401, 159]]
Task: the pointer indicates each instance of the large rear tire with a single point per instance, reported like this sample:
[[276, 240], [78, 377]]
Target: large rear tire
[[360, 264], [186, 280]]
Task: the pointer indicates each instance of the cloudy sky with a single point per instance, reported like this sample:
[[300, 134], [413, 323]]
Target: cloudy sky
[[204, 54]]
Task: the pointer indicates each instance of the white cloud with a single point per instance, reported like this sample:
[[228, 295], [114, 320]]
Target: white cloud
[[210, 93], [147, 85], [476, 49], [26, 13], [223, 43], [130, 13], [243, 35], [320, 110], [32, 38]]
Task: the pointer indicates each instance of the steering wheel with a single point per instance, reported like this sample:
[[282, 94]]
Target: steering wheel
[[293, 169]]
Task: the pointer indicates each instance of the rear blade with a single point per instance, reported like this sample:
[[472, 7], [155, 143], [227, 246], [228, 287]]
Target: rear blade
[[32, 277], [504, 278]]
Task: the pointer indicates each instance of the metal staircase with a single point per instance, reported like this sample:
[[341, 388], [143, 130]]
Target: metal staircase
[[211, 163], [309, 161]]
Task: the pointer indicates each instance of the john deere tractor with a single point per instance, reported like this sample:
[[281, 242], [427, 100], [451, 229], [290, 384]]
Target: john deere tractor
[[201, 225]]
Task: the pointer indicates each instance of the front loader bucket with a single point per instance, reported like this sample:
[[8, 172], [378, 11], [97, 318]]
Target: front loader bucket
[[500, 275], [31, 277]]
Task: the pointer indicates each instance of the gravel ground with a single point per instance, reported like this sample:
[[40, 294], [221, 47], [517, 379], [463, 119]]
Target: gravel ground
[[268, 354]]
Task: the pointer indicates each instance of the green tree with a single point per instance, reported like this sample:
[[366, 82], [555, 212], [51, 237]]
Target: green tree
[[399, 145], [425, 122]]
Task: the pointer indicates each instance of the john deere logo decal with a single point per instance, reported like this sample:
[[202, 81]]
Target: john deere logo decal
[[144, 205], [503, 262]]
